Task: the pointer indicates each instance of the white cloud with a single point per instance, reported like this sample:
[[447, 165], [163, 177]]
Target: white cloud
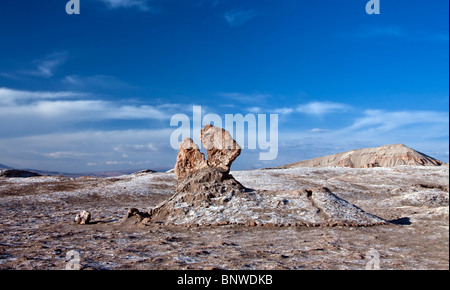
[[94, 82], [65, 154], [136, 148], [321, 108], [284, 111], [18, 104], [317, 109], [381, 121], [314, 108], [10, 97], [139, 4], [254, 110], [239, 17], [244, 98], [24, 113], [318, 130]]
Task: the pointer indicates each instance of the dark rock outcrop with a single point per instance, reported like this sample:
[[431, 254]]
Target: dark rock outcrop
[[11, 173]]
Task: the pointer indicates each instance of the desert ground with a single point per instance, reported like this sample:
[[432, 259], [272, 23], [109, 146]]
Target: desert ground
[[37, 227]]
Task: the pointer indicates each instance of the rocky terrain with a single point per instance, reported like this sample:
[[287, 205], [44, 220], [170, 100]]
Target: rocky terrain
[[37, 227], [204, 216], [384, 156]]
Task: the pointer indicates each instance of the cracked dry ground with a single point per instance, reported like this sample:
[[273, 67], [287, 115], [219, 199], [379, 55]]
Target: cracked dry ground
[[37, 228]]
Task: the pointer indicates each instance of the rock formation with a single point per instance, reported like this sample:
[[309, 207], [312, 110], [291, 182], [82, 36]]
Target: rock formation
[[196, 174], [208, 195], [384, 156], [312, 208], [189, 159], [221, 148]]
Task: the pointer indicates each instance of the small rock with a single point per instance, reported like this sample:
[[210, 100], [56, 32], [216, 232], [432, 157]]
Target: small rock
[[140, 216], [132, 212], [83, 218]]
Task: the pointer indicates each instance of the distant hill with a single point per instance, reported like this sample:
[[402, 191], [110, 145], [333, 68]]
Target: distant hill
[[4, 167], [384, 156], [18, 173], [101, 174]]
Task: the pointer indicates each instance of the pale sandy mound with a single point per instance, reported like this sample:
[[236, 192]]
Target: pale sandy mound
[[384, 156]]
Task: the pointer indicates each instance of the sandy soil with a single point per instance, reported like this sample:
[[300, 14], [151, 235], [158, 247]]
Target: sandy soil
[[37, 229]]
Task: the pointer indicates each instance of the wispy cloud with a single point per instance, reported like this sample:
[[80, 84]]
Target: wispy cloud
[[47, 66], [14, 97], [136, 148], [243, 97], [321, 108], [382, 121], [142, 5], [29, 112], [317, 109], [284, 111], [318, 130], [44, 67], [239, 17], [95, 82]]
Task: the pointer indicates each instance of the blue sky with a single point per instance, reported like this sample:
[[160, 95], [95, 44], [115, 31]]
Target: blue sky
[[96, 91]]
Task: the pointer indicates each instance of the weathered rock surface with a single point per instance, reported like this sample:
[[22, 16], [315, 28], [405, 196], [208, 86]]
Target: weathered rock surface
[[314, 207], [209, 180], [220, 146], [189, 159], [338, 211], [384, 156], [83, 218]]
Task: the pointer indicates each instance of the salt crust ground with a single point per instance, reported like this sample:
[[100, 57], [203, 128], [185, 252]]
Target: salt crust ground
[[37, 228]]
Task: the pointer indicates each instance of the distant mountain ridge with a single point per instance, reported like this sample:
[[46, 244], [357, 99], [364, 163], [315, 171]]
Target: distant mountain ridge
[[75, 175], [4, 167], [384, 156]]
